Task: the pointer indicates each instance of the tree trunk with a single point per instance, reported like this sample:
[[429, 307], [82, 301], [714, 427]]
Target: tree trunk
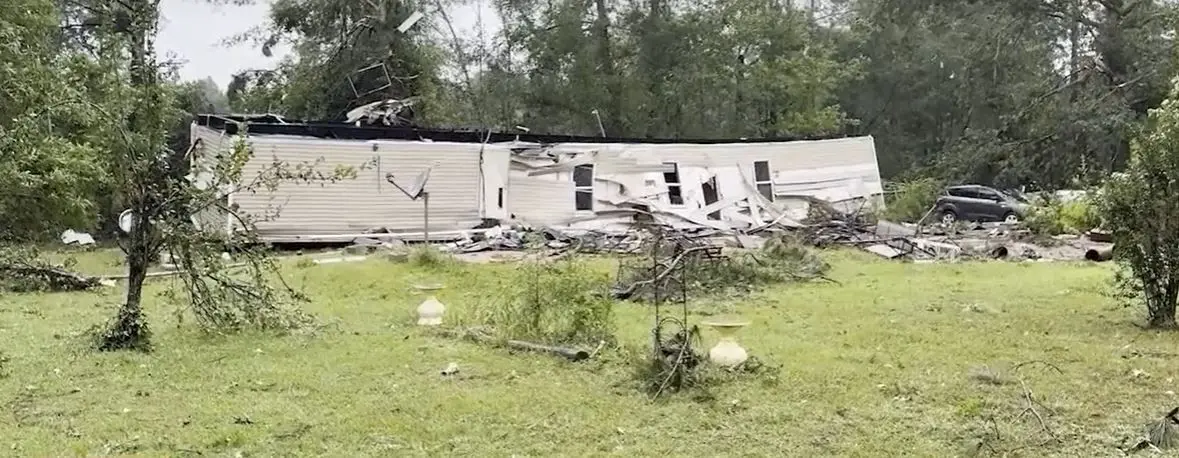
[[1161, 309], [129, 331], [613, 123]]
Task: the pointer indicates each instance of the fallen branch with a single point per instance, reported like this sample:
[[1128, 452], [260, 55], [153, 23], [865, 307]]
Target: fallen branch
[[1031, 408], [630, 290], [571, 354], [48, 278], [479, 336]]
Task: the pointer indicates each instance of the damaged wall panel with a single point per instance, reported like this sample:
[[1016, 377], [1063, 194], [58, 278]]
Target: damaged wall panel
[[714, 185], [541, 201]]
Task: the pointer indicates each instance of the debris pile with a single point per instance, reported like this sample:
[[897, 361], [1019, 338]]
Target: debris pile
[[824, 227], [1005, 241]]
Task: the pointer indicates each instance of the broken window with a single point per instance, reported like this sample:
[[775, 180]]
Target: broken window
[[583, 187], [761, 177], [711, 196], [675, 193]]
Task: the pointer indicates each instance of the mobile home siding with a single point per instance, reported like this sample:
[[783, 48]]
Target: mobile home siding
[[352, 206], [211, 144], [540, 200], [834, 170]]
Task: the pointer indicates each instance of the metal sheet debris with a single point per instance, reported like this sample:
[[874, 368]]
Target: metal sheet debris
[[72, 237]]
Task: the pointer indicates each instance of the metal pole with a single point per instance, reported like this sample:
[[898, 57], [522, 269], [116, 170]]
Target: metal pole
[[426, 215]]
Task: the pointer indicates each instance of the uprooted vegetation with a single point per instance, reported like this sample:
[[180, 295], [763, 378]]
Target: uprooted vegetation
[[910, 201], [714, 271]]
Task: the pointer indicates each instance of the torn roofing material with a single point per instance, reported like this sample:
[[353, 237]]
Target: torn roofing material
[[272, 125]]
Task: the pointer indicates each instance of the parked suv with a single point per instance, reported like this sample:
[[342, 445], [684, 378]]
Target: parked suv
[[979, 203]]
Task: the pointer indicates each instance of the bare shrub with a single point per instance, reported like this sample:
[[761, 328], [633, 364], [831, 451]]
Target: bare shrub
[[555, 302]]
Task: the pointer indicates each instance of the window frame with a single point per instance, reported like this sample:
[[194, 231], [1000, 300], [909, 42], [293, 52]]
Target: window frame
[[678, 185], [583, 189], [769, 181]]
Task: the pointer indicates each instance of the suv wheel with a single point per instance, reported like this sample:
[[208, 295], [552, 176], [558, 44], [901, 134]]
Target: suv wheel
[[949, 217], [1010, 218]]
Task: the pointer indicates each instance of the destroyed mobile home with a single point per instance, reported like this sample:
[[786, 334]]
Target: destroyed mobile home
[[484, 188], [571, 184]]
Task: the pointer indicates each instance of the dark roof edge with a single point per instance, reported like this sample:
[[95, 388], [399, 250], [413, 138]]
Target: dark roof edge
[[272, 125]]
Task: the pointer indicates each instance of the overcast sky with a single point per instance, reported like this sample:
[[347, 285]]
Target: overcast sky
[[193, 30]]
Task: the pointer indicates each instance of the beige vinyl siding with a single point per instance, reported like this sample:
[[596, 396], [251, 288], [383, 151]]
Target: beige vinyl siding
[[541, 200], [368, 201], [212, 143]]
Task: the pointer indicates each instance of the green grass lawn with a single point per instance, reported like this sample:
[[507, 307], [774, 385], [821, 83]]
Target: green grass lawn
[[885, 363]]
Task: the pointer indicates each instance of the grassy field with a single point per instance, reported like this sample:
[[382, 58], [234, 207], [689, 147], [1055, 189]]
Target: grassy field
[[899, 359]]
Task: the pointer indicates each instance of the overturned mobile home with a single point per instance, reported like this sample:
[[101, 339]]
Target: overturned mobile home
[[476, 178]]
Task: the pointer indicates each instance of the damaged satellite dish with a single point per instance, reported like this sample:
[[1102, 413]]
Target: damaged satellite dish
[[415, 189], [126, 221]]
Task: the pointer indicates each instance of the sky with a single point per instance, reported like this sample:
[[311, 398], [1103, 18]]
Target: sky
[[192, 31]]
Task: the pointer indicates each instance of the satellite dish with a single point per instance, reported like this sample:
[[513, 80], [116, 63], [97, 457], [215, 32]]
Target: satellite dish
[[126, 221], [415, 189]]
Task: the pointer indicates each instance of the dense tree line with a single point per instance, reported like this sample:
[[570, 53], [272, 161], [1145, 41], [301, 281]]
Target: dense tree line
[[1039, 93]]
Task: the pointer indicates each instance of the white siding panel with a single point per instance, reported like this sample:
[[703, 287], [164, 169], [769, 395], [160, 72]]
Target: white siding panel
[[541, 200], [495, 164], [212, 143], [368, 201]]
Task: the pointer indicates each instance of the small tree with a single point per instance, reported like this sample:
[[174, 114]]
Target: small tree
[[163, 204], [1142, 211]]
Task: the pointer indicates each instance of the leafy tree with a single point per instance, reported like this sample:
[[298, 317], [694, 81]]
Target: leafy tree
[[1009, 92], [345, 54], [49, 156], [162, 204], [1142, 212]]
